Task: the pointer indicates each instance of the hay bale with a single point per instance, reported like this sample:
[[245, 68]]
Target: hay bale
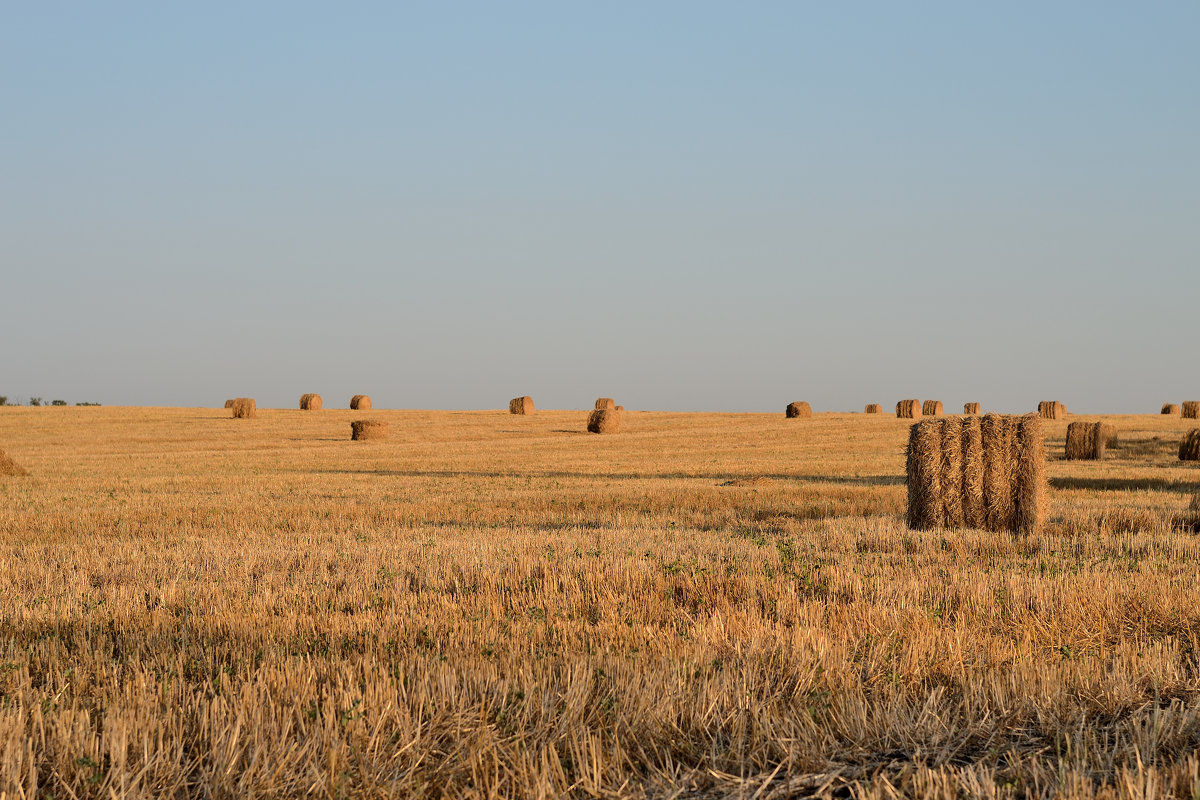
[[932, 408], [310, 402], [1190, 410], [798, 409], [360, 402], [604, 403], [368, 429], [1087, 441], [1189, 448], [908, 409], [971, 409], [521, 405], [873, 408], [619, 408], [984, 472], [10, 467], [229, 403], [1108, 434], [1051, 409], [604, 420], [244, 408], [1170, 408]]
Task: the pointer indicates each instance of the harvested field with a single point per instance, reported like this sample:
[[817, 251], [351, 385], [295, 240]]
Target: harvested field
[[705, 605]]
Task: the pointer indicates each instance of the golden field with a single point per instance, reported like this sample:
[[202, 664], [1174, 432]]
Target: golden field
[[491, 605]]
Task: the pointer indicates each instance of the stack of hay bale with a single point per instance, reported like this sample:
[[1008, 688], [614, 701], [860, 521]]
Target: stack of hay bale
[[908, 409], [979, 472], [797, 410]]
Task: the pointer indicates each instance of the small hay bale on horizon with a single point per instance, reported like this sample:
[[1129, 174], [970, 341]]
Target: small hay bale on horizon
[[971, 409], [605, 403], [1087, 441], [1051, 409], [873, 408], [1170, 408], [619, 408], [244, 408], [1190, 409], [10, 467], [797, 409], [521, 405], [980, 472], [1189, 448], [229, 403], [908, 409], [363, 429], [360, 402], [604, 420], [931, 408], [310, 402]]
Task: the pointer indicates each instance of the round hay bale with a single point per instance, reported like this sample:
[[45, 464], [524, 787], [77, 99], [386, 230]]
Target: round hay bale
[[310, 402], [10, 467], [229, 403], [605, 403], [798, 409], [1190, 410], [971, 409], [363, 429], [873, 408], [244, 408], [1051, 409], [1189, 448], [521, 405], [604, 420], [1170, 408], [619, 408], [931, 408], [908, 409], [1086, 441], [360, 402]]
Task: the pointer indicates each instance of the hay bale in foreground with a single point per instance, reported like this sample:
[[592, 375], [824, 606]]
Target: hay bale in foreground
[[986, 472], [360, 402], [873, 408], [1190, 410], [605, 403], [1087, 441], [310, 402], [244, 408], [368, 429], [908, 409], [797, 409], [10, 467], [229, 403], [1189, 448], [932, 408], [1051, 409], [604, 420], [971, 409], [521, 405], [1170, 408]]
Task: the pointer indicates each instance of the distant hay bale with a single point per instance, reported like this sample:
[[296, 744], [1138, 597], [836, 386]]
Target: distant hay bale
[[1189, 448], [10, 467], [873, 408], [368, 429], [932, 408], [310, 402], [1170, 408], [229, 403], [1109, 434], [971, 409], [619, 408], [521, 405], [798, 409], [604, 420], [360, 402], [1087, 441], [1051, 409], [908, 409], [244, 408], [1190, 410], [981, 472], [604, 403]]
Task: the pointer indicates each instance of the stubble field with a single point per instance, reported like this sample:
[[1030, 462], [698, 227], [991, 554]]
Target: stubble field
[[494, 605]]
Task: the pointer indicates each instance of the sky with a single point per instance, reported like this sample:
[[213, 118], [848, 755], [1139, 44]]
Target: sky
[[682, 205]]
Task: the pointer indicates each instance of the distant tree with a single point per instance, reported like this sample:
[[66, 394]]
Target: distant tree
[[58, 402], [35, 401], [3, 399], [87, 404]]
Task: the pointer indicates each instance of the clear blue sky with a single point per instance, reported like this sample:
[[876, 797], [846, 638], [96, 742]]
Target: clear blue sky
[[682, 205]]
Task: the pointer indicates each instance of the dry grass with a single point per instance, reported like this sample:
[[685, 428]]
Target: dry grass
[[10, 468], [706, 605]]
